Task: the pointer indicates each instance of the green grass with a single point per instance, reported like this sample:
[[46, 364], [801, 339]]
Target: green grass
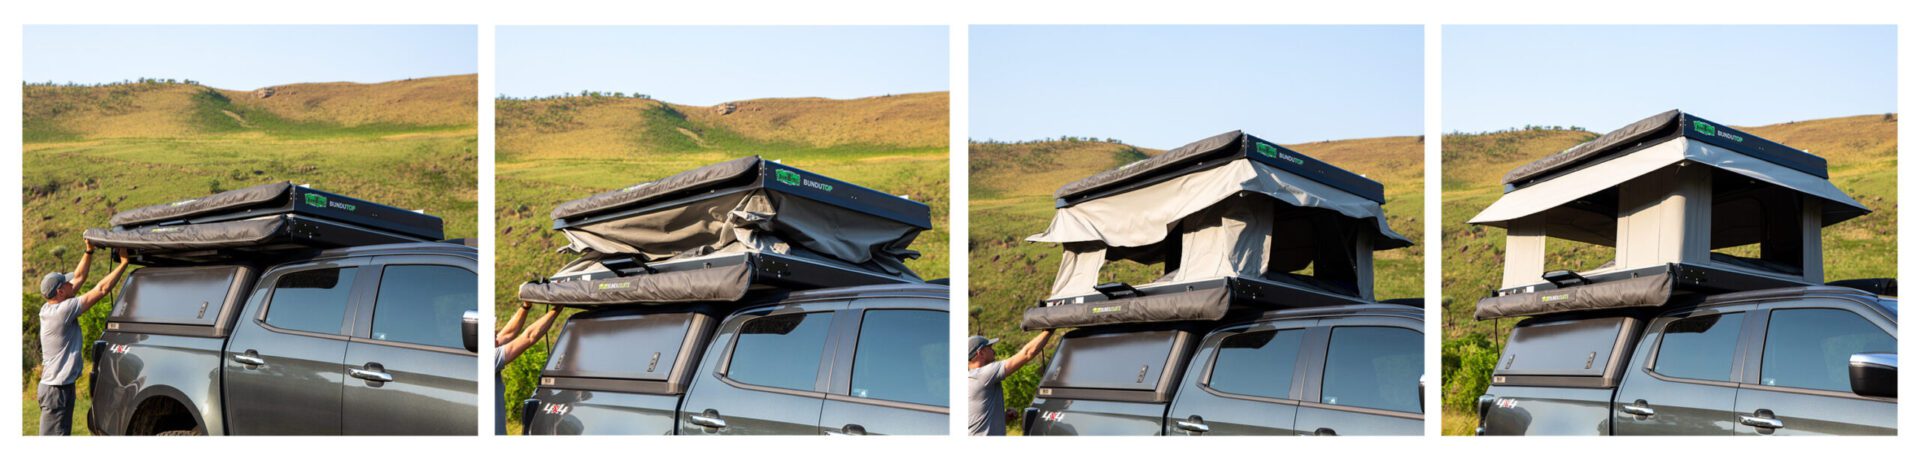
[[30, 403], [1012, 185], [73, 186], [529, 184], [1862, 156]]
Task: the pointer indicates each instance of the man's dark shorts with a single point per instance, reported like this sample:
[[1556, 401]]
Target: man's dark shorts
[[56, 409]]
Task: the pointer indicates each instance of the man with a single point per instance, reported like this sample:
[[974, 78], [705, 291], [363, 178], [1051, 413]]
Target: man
[[986, 404], [508, 345], [60, 338]]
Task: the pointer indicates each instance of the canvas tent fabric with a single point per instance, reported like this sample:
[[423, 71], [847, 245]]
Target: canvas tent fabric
[[1198, 305], [698, 178], [223, 201], [1649, 291], [187, 237], [716, 284], [750, 220], [1548, 195]]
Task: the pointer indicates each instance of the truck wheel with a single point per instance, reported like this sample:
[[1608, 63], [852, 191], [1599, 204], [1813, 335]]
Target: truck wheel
[[188, 432]]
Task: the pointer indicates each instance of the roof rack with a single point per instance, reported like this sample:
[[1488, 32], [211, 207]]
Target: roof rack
[[265, 221]]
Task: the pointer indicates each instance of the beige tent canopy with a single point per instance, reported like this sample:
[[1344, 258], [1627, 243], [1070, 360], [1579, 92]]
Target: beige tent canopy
[[714, 232], [1674, 192], [1232, 206]]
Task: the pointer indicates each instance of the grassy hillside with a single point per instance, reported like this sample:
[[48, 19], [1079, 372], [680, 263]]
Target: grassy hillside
[[1012, 185], [551, 150], [1861, 155], [92, 151]]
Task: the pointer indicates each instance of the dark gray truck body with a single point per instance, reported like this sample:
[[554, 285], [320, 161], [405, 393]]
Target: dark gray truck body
[[395, 371], [1285, 372], [840, 361], [1763, 362]]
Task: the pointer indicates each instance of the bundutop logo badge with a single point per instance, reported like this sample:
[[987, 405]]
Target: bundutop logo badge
[[1266, 149], [1703, 127], [316, 200], [787, 177]]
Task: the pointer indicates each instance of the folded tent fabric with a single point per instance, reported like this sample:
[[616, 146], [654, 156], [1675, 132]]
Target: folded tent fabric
[[224, 201], [744, 219], [1198, 305], [188, 237], [1648, 291], [711, 284]]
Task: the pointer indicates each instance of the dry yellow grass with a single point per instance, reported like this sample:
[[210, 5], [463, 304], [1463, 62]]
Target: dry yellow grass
[[907, 120], [447, 100]]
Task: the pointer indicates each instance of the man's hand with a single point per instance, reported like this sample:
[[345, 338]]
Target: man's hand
[[89, 245], [106, 284], [123, 255]]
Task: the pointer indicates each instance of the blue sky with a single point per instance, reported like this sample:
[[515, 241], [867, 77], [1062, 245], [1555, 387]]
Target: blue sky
[[248, 57], [1163, 86], [703, 65], [1604, 77]]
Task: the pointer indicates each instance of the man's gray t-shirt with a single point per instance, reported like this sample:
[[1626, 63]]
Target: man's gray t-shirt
[[60, 340], [986, 405]]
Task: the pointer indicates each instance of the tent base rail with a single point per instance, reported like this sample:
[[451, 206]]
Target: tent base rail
[[722, 278], [269, 238]]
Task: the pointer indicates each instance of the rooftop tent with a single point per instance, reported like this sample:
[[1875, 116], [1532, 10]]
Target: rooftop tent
[[715, 232], [1228, 216], [1685, 203], [259, 221]]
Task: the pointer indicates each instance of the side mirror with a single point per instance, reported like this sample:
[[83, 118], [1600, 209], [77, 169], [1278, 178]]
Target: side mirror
[[1874, 374], [1423, 394], [470, 330]]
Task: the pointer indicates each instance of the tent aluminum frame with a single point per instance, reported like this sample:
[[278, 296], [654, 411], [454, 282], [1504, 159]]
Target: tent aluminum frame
[[1246, 147]]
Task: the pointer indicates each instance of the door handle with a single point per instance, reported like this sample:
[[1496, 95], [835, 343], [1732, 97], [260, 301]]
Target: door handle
[[1763, 419], [249, 358], [1638, 408], [373, 372], [1192, 424], [1324, 431], [851, 429], [709, 419]]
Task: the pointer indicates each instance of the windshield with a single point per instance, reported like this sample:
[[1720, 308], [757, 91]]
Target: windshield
[[1124, 360], [622, 347]]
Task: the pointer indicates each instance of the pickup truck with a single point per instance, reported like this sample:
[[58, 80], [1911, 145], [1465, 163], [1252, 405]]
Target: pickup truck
[[1339, 370], [838, 361], [374, 339], [1781, 361]]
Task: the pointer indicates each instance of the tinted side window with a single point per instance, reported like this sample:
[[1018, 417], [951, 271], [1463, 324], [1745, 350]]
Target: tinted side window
[[1809, 348], [902, 356], [780, 350], [1257, 363], [1699, 347], [1373, 367], [423, 304], [314, 301]]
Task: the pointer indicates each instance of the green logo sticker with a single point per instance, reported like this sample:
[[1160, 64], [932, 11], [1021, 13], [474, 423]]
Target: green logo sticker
[[1266, 149], [1105, 310], [1703, 127], [1555, 298], [603, 286], [316, 200], [792, 178]]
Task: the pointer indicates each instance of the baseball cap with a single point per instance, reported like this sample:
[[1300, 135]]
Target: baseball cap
[[975, 343], [52, 283]]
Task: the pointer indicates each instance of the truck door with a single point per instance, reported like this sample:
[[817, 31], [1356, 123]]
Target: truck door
[[283, 366], [1365, 380], [1802, 385], [765, 373], [408, 369], [891, 377], [1684, 377], [1245, 380]]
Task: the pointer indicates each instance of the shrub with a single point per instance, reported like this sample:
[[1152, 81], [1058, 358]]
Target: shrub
[[1466, 367]]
